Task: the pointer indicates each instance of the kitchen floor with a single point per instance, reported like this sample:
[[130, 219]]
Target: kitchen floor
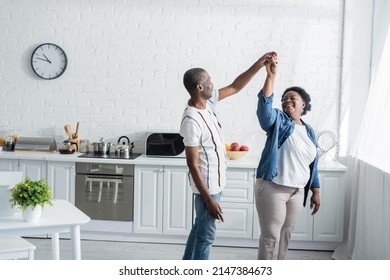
[[112, 250]]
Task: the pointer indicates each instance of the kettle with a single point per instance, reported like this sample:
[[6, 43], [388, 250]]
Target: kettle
[[67, 147], [123, 150]]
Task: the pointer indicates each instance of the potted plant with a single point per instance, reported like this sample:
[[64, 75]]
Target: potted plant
[[31, 197]]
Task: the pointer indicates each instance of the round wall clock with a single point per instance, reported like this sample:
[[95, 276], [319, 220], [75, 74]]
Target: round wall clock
[[48, 61]]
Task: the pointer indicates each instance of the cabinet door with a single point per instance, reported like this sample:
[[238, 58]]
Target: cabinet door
[[148, 198], [303, 230], [177, 201], [237, 220], [237, 204], [256, 225], [328, 222], [9, 164], [33, 169], [61, 178]]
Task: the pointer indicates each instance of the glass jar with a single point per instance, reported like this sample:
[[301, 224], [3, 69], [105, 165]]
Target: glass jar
[[9, 144], [83, 145]]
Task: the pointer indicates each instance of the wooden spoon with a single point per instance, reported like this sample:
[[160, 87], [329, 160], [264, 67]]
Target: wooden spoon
[[68, 131], [76, 134]]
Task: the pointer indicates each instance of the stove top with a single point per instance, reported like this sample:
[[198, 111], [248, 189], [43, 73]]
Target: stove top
[[109, 156]]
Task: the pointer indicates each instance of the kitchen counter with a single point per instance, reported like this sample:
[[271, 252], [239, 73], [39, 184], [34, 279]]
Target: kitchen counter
[[245, 162], [143, 159]]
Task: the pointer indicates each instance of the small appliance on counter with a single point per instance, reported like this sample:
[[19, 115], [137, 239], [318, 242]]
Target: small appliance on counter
[[164, 145], [37, 143]]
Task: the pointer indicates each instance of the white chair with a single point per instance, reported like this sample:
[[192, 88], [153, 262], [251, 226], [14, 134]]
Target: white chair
[[12, 247], [8, 179], [15, 247]]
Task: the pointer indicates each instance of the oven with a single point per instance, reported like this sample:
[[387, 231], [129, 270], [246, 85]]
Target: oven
[[105, 191]]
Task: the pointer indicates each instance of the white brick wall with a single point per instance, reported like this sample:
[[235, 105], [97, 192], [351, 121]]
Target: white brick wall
[[127, 58]]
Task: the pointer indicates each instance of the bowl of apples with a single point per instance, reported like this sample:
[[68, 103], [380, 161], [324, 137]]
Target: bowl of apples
[[234, 151]]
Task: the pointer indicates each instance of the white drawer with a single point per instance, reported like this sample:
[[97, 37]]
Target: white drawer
[[239, 185]]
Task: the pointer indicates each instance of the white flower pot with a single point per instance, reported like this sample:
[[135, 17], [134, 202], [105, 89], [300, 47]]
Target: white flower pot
[[32, 215]]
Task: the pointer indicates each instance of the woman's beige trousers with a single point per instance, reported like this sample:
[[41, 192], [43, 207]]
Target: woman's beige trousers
[[278, 208]]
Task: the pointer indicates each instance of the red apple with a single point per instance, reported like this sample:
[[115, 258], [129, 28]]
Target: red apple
[[244, 148], [234, 146]]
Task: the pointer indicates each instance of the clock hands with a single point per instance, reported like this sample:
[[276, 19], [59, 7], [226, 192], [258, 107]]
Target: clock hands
[[46, 58]]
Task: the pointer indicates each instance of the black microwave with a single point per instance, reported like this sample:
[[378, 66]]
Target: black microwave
[[164, 145]]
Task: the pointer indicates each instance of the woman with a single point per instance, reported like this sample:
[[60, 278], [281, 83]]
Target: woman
[[287, 168]]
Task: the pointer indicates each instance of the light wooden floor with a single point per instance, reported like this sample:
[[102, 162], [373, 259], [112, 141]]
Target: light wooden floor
[[112, 250]]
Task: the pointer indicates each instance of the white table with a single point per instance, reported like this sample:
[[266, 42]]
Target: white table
[[61, 217]]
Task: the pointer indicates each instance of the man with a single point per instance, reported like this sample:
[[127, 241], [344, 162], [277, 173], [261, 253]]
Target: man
[[205, 152]]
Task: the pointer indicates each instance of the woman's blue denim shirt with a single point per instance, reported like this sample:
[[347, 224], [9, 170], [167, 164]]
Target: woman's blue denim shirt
[[279, 126]]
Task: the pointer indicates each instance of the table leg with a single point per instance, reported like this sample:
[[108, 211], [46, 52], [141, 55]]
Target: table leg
[[76, 242], [55, 246], [30, 254]]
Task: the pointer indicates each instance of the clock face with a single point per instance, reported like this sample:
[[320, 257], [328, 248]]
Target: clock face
[[48, 61]]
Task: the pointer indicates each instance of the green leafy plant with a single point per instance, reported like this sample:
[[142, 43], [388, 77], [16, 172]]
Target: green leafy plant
[[32, 193]]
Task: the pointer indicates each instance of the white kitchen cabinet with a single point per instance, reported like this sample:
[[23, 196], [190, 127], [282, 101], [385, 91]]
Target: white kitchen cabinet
[[327, 224], [9, 164], [59, 175], [303, 230], [237, 220], [177, 206], [61, 178], [162, 200], [237, 204], [33, 169], [148, 198], [329, 220]]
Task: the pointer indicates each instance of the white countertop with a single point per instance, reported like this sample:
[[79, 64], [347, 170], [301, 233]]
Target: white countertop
[[245, 162]]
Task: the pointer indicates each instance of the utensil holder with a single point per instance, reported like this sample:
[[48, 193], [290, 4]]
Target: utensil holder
[[75, 146]]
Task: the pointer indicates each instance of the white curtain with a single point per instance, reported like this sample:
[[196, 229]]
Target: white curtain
[[372, 143], [367, 228]]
